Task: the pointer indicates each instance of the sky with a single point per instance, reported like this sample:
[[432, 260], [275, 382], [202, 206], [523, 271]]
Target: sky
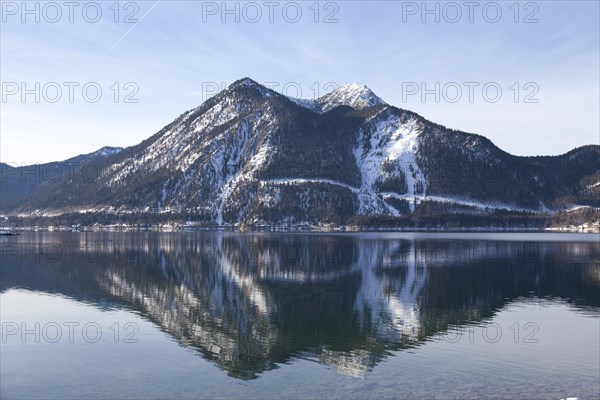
[[77, 76]]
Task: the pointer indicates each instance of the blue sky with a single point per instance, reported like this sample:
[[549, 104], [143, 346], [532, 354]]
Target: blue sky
[[178, 48]]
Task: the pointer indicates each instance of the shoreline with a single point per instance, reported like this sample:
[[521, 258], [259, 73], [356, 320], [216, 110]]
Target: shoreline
[[301, 229]]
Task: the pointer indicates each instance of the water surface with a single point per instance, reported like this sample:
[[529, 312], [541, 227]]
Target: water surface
[[240, 315]]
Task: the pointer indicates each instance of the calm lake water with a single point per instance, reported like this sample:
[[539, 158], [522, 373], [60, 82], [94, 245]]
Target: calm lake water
[[247, 315]]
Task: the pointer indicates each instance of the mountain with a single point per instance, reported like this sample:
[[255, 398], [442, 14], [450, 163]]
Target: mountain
[[251, 156], [19, 184]]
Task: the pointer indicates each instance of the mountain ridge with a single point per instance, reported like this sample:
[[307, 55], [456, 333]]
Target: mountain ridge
[[250, 155]]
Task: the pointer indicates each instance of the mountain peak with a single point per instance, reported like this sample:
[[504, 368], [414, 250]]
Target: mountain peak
[[353, 88], [245, 82], [355, 95]]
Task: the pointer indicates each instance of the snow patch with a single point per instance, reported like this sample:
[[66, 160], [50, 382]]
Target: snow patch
[[394, 143], [107, 151], [594, 185], [355, 95]]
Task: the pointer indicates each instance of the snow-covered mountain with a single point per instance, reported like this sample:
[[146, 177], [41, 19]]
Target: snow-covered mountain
[[250, 155]]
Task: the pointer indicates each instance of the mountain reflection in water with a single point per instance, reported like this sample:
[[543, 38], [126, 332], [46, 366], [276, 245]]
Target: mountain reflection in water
[[249, 302]]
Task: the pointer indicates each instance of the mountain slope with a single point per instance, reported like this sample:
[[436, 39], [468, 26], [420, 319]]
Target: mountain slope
[[251, 156]]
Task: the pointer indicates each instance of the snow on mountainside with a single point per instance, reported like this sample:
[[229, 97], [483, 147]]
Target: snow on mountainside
[[250, 155], [354, 95], [386, 150], [107, 151], [209, 153]]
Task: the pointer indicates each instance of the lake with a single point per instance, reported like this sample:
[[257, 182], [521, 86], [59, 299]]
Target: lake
[[263, 315]]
